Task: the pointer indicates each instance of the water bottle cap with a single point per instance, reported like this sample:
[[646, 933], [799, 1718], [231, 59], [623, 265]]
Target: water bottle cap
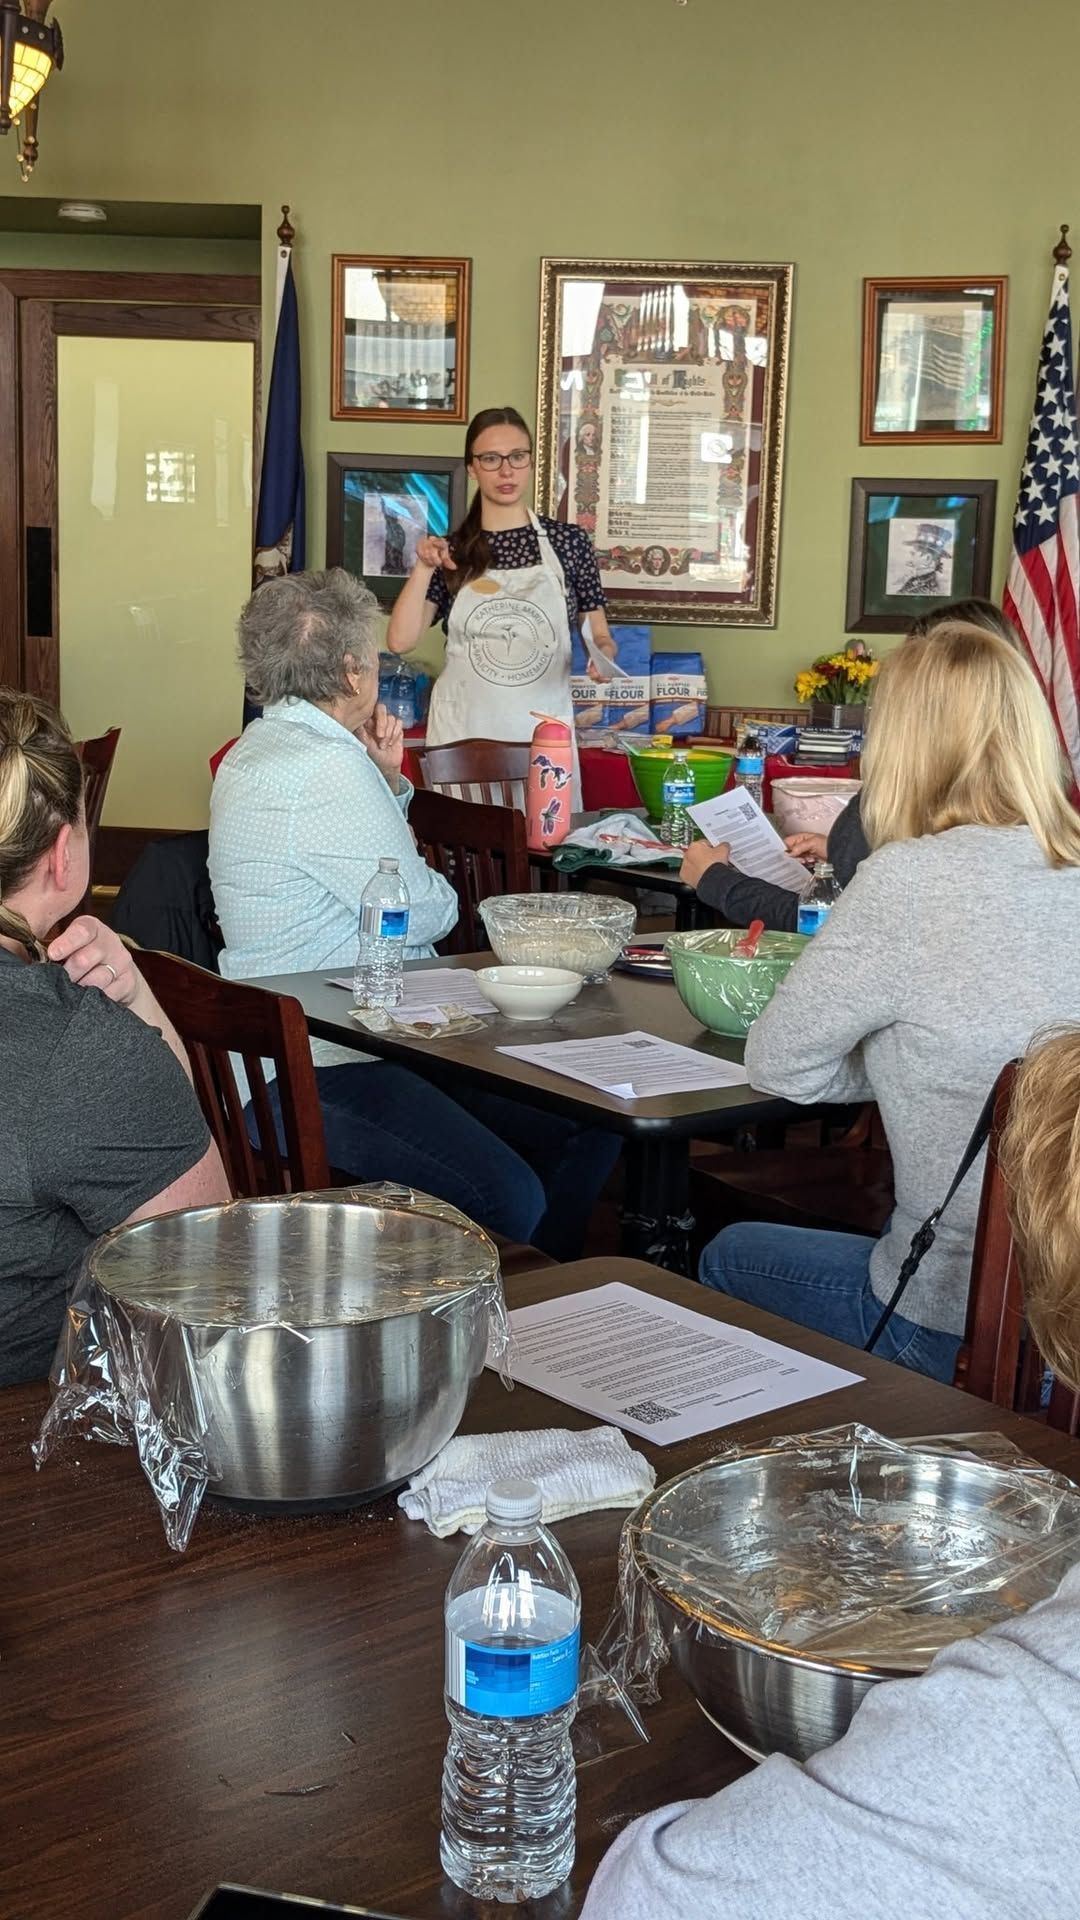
[[388, 866], [516, 1500]]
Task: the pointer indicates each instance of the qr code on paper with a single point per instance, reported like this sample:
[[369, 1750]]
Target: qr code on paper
[[649, 1412]]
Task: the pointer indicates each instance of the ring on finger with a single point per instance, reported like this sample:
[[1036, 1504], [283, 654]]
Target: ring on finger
[[111, 971]]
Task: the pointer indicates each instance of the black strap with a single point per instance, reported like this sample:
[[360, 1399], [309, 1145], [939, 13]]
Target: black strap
[[923, 1239]]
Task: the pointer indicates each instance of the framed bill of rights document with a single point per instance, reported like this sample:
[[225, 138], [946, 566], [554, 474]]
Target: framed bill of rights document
[[660, 430]]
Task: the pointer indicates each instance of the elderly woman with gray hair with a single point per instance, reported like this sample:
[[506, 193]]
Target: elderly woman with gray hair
[[304, 806]]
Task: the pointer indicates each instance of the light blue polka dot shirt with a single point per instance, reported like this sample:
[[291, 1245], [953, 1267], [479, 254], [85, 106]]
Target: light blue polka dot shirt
[[300, 817]]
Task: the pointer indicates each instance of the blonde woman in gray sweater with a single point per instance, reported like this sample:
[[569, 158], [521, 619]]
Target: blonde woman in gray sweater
[[956, 941]]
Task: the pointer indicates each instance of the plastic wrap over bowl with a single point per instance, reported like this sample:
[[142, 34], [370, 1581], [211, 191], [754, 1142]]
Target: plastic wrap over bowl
[[722, 991], [312, 1349], [582, 932], [788, 1579]]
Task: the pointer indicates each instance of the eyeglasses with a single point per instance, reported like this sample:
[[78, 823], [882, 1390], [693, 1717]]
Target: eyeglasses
[[491, 462]]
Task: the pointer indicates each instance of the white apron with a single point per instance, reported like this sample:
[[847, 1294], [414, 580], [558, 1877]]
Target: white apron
[[507, 653]]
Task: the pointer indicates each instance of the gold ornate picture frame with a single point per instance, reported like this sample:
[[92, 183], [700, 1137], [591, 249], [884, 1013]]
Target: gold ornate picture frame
[[400, 338], [660, 430]]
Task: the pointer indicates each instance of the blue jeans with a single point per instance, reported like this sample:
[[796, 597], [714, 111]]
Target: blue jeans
[[514, 1170], [821, 1280]]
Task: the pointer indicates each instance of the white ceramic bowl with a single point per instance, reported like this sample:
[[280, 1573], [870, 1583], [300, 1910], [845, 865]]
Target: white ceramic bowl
[[528, 993]]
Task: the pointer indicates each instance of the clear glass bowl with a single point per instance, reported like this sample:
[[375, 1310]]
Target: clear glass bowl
[[584, 932]]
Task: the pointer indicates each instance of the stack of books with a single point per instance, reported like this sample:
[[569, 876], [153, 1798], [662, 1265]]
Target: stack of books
[[828, 746]]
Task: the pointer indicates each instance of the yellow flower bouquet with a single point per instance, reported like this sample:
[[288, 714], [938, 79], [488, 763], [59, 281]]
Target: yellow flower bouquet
[[838, 679]]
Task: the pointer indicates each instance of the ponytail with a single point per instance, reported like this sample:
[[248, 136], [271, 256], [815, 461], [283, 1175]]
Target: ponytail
[[41, 790], [469, 544]]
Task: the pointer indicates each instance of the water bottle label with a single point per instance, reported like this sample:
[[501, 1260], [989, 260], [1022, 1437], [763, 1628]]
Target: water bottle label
[[392, 923], [679, 793], [812, 918], [511, 1683]]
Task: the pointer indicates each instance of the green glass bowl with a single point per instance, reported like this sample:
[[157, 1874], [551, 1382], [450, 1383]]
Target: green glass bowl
[[711, 772], [724, 993]]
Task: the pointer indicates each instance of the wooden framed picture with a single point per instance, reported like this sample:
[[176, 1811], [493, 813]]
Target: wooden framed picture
[[933, 364], [378, 505], [660, 430], [915, 545], [400, 348]]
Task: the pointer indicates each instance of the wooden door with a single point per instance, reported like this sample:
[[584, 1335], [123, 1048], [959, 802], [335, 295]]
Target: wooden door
[[37, 308]]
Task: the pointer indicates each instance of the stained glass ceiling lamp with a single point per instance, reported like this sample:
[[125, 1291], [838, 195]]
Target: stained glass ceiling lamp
[[29, 50]]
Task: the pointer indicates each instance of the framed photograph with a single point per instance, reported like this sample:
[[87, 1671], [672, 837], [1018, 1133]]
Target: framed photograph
[[660, 430], [933, 366], [400, 346], [378, 505], [916, 545]]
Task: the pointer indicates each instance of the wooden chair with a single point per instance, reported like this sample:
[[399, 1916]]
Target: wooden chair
[[721, 722], [999, 1360], [215, 1018], [495, 771], [97, 757], [480, 850], [844, 1187]]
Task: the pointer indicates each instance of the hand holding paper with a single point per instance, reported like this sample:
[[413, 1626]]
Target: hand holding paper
[[756, 847]]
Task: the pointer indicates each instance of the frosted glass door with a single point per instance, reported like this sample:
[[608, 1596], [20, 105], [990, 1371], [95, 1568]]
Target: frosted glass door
[[154, 462]]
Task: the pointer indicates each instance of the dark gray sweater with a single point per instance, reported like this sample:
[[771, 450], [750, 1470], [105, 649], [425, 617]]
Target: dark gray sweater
[[739, 899]]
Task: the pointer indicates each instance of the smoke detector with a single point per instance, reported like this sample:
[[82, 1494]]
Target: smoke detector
[[86, 212]]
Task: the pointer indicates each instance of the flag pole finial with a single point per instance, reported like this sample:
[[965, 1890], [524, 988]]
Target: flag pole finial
[[1063, 251], [286, 233]]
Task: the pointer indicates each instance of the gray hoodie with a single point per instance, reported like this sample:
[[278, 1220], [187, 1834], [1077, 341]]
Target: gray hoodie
[[955, 1796]]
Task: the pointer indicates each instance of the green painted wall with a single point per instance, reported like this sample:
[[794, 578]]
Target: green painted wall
[[847, 136]]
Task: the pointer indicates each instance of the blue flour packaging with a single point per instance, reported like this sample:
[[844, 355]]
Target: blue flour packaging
[[613, 706], [678, 693]]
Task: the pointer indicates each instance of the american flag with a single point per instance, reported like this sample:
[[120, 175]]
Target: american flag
[[1041, 594]]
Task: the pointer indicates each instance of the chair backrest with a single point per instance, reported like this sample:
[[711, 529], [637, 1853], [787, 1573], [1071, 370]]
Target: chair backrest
[[97, 757], [722, 723], [481, 851], [216, 1018], [495, 771], [999, 1360]]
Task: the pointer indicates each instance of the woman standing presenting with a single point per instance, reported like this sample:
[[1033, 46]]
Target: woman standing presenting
[[509, 588]]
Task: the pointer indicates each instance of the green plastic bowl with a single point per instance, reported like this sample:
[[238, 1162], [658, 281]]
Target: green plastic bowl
[[726, 994], [647, 765]]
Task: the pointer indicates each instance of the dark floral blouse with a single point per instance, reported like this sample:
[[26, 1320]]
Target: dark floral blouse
[[519, 547]]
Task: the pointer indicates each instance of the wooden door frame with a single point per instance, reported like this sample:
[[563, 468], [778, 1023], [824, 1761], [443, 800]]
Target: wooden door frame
[[35, 308]]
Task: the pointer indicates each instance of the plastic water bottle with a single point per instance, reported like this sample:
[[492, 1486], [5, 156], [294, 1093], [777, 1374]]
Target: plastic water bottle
[[819, 899], [680, 792], [513, 1614], [397, 688], [750, 768], [384, 932]]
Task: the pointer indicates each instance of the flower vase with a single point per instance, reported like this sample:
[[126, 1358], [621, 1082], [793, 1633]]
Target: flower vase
[[848, 717]]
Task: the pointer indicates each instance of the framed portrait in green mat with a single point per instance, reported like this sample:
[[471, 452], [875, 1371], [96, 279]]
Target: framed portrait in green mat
[[914, 546]]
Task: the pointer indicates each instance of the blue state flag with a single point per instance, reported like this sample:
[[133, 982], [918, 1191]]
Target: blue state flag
[[280, 531]]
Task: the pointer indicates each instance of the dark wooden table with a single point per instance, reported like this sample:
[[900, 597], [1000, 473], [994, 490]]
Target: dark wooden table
[[160, 1712], [689, 912], [657, 1132]]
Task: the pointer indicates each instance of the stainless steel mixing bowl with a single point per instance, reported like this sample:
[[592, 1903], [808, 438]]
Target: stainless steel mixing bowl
[[321, 1347], [788, 1585]]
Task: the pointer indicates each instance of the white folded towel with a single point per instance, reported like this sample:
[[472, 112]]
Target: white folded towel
[[576, 1473]]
